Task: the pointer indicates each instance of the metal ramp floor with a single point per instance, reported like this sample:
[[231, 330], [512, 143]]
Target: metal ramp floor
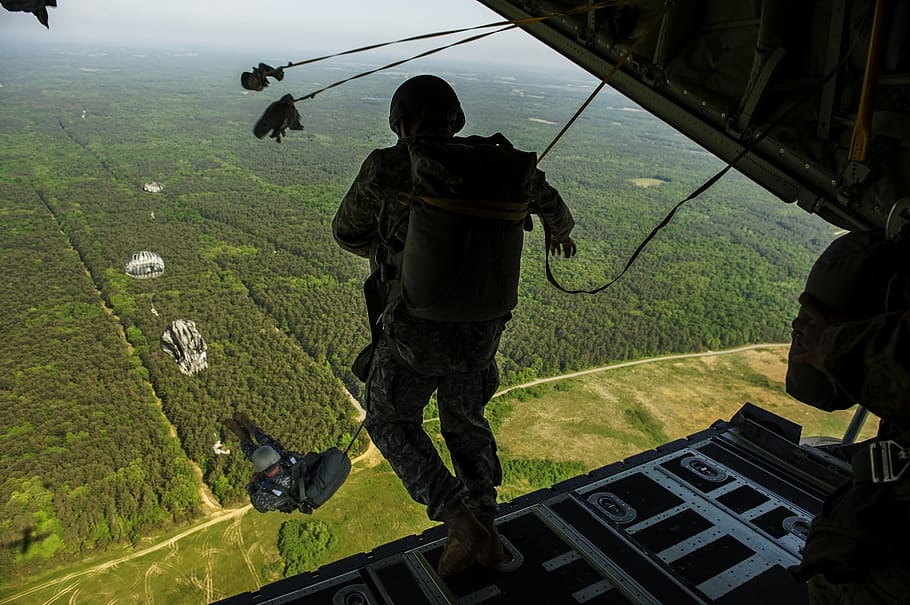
[[716, 517]]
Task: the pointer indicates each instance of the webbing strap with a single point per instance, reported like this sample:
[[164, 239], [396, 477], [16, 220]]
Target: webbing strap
[[759, 136], [505, 211], [301, 488], [504, 25], [547, 238]]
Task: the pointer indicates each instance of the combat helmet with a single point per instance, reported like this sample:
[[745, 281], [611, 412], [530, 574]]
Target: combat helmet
[[425, 94], [858, 276], [264, 458]]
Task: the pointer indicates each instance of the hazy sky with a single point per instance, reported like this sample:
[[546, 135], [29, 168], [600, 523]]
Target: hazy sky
[[304, 25]]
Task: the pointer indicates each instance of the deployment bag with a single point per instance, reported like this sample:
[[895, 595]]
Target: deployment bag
[[327, 473], [462, 254]]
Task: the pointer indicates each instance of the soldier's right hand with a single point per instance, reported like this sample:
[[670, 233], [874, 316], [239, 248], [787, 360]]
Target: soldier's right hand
[[566, 247]]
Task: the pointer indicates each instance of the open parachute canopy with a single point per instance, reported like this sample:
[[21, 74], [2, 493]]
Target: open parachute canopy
[[144, 265], [182, 341]]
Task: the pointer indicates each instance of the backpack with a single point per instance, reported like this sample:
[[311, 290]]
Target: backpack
[[468, 205]]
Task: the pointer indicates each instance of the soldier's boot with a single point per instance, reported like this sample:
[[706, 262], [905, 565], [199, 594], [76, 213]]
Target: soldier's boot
[[492, 554], [243, 420], [234, 426], [466, 536]]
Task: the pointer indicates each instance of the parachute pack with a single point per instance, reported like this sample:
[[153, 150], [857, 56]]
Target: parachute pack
[[315, 479], [469, 202]]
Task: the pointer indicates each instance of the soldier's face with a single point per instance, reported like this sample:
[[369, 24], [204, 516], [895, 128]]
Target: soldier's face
[[272, 470]]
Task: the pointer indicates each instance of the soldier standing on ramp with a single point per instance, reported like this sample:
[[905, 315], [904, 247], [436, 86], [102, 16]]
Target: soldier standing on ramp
[[442, 219]]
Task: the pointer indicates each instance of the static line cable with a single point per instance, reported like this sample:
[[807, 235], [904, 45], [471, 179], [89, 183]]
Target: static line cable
[[354, 438], [402, 40], [257, 78], [704, 187], [584, 8], [282, 115], [366, 403], [622, 61], [403, 61], [756, 139]]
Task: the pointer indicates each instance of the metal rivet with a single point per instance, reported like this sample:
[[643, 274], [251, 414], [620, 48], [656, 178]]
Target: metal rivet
[[806, 166], [685, 92], [704, 103], [723, 114], [780, 150]]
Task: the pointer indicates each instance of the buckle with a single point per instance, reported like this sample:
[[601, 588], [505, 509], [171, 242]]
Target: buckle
[[888, 461]]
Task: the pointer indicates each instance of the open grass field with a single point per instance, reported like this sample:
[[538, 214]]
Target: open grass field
[[593, 419], [235, 555], [604, 417], [646, 182]]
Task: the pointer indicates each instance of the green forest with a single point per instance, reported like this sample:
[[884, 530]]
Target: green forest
[[243, 226]]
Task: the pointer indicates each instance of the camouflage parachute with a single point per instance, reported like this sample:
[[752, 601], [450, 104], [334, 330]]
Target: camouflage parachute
[[182, 341]]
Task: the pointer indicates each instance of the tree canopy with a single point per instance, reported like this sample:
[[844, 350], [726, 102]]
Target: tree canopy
[[243, 228]]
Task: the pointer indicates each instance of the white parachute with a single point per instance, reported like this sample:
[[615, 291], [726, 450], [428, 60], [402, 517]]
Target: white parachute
[[144, 265], [153, 187]]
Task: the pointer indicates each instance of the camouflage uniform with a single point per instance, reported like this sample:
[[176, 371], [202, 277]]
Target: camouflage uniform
[[415, 357], [880, 348], [852, 344], [281, 491], [856, 548]]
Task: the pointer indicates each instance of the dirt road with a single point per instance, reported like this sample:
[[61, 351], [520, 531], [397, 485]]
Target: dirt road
[[626, 364], [223, 516]]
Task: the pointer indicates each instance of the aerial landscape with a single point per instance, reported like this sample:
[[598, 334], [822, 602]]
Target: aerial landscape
[[136, 203]]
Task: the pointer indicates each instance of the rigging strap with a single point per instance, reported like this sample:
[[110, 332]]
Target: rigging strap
[[800, 98]]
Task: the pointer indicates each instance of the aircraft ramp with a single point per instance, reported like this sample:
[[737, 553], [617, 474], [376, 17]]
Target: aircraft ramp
[[716, 517]]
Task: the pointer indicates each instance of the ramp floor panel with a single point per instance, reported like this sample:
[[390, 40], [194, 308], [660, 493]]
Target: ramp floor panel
[[713, 518]]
